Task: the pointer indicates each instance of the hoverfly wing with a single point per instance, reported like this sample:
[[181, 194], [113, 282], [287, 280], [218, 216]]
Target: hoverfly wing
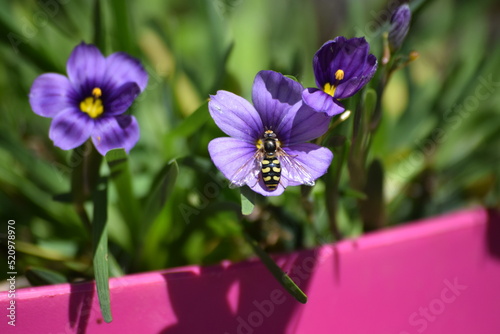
[[293, 170], [248, 173]]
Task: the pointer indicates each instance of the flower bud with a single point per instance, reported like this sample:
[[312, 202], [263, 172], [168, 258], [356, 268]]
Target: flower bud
[[400, 23]]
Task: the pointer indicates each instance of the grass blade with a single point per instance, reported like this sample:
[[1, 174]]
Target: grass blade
[[276, 271], [192, 123], [99, 35], [100, 245], [122, 180], [123, 26], [162, 187], [42, 276]]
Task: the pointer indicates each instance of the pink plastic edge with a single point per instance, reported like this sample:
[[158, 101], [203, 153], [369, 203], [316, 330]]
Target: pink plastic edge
[[399, 234]]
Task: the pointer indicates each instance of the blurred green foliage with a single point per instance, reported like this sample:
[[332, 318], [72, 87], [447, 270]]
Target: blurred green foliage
[[438, 144]]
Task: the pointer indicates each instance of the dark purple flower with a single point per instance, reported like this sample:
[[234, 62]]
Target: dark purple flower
[[90, 102], [400, 24], [278, 123], [341, 67]]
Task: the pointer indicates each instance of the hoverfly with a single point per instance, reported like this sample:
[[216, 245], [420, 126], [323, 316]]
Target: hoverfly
[[267, 162]]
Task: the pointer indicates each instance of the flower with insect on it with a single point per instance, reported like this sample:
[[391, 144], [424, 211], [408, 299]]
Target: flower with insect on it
[[267, 147], [91, 101], [400, 24], [341, 67]]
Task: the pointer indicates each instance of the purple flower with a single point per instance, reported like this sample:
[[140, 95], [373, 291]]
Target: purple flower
[[90, 102], [400, 24], [267, 147], [341, 67]]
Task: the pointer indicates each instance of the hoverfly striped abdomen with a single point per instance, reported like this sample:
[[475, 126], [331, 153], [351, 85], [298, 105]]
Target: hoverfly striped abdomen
[[270, 166], [271, 171]]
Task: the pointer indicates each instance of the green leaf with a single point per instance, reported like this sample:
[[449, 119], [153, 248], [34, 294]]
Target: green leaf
[[372, 210], [340, 146], [122, 25], [368, 124], [121, 178], [291, 77], [63, 198], [350, 192], [41, 276], [369, 101], [115, 270], [99, 36], [192, 123], [15, 40], [247, 200], [162, 187], [100, 250], [221, 68], [62, 21], [276, 271]]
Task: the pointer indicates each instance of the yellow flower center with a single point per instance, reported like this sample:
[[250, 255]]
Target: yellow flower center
[[92, 105], [330, 88]]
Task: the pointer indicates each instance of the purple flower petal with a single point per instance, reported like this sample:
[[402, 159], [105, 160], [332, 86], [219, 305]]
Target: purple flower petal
[[122, 68], [323, 59], [261, 188], [86, 67], [352, 86], [70, 128], [314, 159], [235, 159], [321, 101], [115, 132], [302, 124], [370, 67], [235, 116], [273, 94], [120, 99], [50, 94], [351, 58]]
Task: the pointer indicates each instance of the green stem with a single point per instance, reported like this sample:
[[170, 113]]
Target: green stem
[[332, 181], [84, 177], [307, 203]]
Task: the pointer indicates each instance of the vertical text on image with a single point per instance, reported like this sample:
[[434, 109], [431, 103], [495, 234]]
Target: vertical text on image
[[11, 271]]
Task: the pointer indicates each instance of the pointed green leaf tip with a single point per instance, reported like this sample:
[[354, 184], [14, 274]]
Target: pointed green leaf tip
[[247, 200], [276, 271]]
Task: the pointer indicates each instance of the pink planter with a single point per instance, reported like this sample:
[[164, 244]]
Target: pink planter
[[441, 275]]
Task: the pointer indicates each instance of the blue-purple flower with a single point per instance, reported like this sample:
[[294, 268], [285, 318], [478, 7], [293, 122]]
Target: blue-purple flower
[[91, 101], [341, 67], [400, 24], [278, 122]]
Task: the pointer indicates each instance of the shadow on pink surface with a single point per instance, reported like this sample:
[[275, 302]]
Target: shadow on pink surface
[[80, 306], [235, 298], [493, 233]]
